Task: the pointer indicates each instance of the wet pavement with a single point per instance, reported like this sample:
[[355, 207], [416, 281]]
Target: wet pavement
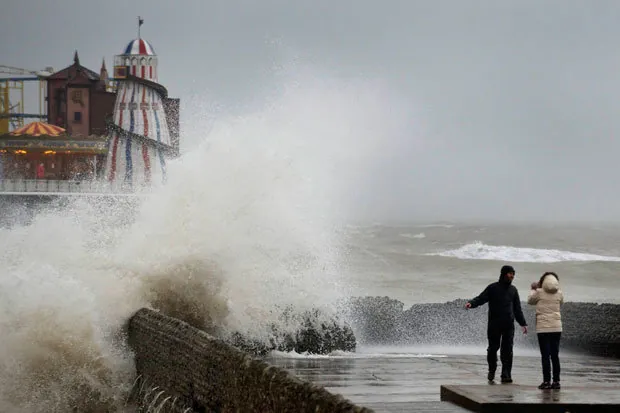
[[409, 379], [524, 399]]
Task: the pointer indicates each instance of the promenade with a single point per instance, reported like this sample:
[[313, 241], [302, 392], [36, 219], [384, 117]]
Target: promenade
[[400, 382]]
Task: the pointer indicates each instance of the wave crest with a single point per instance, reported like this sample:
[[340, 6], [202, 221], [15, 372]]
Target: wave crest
[[479, 251]]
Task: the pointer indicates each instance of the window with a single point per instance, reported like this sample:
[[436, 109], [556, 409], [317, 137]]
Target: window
[[77, 117]]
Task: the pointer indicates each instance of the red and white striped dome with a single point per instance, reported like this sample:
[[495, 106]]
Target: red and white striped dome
[[139, 47]]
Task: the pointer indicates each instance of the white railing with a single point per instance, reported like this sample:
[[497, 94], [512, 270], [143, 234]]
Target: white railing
[[52, 185], [70, 187]]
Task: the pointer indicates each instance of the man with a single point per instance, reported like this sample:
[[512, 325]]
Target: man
[[504, 307]]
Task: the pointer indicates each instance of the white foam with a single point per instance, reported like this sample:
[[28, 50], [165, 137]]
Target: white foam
[[479, 251], [421, 235], [403, 352], [446, 226], [384, 353]]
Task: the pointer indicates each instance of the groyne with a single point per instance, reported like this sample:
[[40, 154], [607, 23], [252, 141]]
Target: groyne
[[180, 367], [587, 327]]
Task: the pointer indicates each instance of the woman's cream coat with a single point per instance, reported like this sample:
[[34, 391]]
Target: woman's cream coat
[[548, 301]]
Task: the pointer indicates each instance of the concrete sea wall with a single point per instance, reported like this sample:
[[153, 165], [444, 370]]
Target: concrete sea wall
[[181, 368]]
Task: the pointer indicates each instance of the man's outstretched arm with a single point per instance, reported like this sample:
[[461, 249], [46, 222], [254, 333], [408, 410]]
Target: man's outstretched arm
[[483, 298]]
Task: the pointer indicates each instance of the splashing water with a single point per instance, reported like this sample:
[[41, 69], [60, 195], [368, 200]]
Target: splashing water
[[247, 221]]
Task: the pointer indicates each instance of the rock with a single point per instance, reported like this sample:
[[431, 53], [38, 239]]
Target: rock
[[374, 319], [320, 336], [588, 327], [592, 327], [249, 345], [316, 333], [443, 324]]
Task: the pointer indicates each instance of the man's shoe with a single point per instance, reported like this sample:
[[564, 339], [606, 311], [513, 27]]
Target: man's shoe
[[506, 380], [491, 376], [555, 385], [545, 385]]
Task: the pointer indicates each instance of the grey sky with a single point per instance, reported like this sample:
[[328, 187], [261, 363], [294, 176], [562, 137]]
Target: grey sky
[[517, 101]]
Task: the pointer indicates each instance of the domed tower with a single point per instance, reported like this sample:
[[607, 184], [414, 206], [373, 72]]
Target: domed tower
[[140, 60], [139, 137]]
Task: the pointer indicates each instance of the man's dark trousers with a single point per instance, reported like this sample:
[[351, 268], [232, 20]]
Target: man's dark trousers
[[501, 337]]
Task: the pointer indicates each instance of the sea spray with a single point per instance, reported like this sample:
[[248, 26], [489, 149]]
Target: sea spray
[[245, 225], [62, 319]]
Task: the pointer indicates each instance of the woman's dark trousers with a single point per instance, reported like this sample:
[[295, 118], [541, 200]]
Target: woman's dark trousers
[[549, 351]]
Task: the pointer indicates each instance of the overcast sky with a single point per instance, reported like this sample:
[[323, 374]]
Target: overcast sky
[[507, 109]]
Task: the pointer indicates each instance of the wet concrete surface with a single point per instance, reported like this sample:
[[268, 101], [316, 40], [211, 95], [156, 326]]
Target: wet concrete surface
[[409, 379], [524, 399]]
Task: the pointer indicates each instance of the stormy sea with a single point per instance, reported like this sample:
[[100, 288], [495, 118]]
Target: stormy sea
[[437, 262], [253, 217]]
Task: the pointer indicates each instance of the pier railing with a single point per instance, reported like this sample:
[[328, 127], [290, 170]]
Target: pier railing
[[52, 185]]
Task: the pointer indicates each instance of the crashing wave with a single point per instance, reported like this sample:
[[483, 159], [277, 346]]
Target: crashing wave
[[479, 251]]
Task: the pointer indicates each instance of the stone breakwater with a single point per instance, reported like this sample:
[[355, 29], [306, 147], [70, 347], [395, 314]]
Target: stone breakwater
[[587, 327], [315, 333], [184, 369]]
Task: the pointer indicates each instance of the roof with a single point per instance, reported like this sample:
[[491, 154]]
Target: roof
[[66, 73], [38, 129], [40, 136], [139, 47]]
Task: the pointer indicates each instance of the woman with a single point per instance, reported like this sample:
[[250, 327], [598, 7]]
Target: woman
[[547, 296]]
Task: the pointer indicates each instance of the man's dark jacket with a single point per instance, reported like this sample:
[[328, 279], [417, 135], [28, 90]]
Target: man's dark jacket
[[504, 303]]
